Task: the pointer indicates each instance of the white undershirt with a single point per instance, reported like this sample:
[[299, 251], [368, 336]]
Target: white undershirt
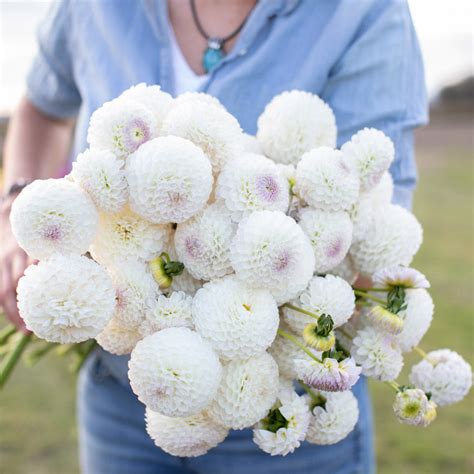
[[185, 79]]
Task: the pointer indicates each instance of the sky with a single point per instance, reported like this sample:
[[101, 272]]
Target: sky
[[445, 30]]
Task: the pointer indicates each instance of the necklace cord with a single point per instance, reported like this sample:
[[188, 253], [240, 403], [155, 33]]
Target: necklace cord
[[203, 32]]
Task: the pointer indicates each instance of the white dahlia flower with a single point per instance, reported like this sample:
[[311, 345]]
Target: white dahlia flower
[[203, 242], [271, 251], [250, 183], [251, 144], [125, 235], [247, 391], [334, 416], [53, 216], [156, 100], [174, 372], [284, 427], [121, 126], [293, 123], [371, 153], [136, 293], [364, 214], [345, 270], [237, 320], [186, 437], [118, 339], [445, 374], [417, 318], [100, 173], [410, 406], [325, 181], [209, 127], [397, 275], [330, 295], [331, 375], [193, 97], [66, 299], [381, 193], [377, 353], [169, 179], [285, 352], [330, 234], [174, 310], [392, 238]]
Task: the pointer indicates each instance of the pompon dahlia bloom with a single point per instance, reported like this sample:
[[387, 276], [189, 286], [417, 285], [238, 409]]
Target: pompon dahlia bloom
[[156, 100], [193, 97], [66, 299], [136, 293], [174, 310], [417, 318], [169, 179], [333, 416], [410, 406], [271, 251], [250, 183], [293, 123], [118, 339], [100, 173], [209, 127], [377, 353], [331, 375], [284, 427], [202, 243], [392, 238], [186, 437], [391, 277], [330, 234], [250, 144], [325, 180], [381, 193], [121, 126], [285, 352], [53, 216], [237, 320], [445, 374], [385, 320], [371, 153], [330, 295], [125, 235], [174, 372], [247, 391]]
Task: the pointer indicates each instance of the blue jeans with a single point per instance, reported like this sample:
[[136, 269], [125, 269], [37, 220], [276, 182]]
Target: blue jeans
[[113, 440]]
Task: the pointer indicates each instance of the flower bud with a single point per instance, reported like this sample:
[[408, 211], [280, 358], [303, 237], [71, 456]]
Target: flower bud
[[385, 320]]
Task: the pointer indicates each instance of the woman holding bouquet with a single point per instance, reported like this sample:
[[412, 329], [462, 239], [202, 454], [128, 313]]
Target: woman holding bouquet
[[361, 57]]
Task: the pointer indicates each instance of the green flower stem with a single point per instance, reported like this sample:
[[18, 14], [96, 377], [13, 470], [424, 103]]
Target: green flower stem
[[301, 310], [422, 354], [6, 332], [364, 303], [299, 344], [11, 359], [33, 357], [394, 385], [344, 333], [365, 295], [308, 390], [83, 357]]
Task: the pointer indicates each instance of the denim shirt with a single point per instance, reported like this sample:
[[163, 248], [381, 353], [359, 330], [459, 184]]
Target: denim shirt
[[360, 56]]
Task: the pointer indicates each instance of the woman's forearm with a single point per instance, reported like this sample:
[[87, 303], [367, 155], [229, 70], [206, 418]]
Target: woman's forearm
[[36, 146]]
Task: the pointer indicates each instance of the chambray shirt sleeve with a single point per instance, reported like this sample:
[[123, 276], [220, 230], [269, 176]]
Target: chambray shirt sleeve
[[379, 82], [50, 83]]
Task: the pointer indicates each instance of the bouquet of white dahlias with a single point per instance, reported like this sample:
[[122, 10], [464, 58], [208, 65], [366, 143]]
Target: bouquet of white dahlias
[[225, 266]]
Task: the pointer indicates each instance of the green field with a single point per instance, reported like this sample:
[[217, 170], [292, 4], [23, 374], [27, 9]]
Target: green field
[[37, 434]]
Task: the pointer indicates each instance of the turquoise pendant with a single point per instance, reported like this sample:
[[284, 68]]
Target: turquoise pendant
[[213, 55]]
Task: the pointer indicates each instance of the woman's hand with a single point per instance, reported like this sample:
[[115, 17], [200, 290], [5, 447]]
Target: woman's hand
[[13, 261]]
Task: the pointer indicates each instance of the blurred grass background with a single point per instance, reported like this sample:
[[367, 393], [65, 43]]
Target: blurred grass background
[[38, 434]]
